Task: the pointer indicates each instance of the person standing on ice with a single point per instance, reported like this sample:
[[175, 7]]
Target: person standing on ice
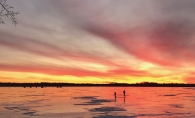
[[115, 95], [124, 93]]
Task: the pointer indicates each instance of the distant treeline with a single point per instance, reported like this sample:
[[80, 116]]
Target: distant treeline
[[59, 85]]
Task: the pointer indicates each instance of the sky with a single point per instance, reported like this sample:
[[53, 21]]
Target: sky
[[99, 41]]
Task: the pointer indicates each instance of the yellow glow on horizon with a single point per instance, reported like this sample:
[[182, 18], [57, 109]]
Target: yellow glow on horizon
[[34, 77]]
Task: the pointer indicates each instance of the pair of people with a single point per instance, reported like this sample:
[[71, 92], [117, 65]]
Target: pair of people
[[124, 93]]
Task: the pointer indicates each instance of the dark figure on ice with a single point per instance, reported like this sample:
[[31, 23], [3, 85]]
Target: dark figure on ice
[[115, 95], [124, 93]]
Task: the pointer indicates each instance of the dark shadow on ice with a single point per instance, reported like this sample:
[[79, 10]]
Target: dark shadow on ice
[[26, 110], [107, 109], [37, 101], [88, 104], [86, 97], [177, 105], [95, 102], [101, 101], [31, 113], [169, 95], [11, 108]]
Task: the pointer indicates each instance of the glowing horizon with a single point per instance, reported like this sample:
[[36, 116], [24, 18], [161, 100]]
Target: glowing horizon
[[99, 42]]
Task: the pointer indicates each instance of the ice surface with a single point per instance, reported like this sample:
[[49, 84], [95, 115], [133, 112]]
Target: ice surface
[[97, 102]]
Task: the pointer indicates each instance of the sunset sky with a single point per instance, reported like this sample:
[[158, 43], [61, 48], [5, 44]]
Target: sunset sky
[[99, 41]]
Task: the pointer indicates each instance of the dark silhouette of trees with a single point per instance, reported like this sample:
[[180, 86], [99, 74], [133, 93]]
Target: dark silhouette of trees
[[60, 85], [7, 10]]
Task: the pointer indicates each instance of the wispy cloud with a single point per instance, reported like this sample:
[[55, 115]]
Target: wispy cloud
[[166, 40], [99, 38]]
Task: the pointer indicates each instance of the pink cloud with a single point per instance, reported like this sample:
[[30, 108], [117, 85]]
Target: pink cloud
[[73, 71], [160, 37]]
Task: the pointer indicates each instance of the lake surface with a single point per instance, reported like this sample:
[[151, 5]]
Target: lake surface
[[97, 102]]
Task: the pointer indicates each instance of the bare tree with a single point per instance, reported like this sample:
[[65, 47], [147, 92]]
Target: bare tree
[[7, 11]]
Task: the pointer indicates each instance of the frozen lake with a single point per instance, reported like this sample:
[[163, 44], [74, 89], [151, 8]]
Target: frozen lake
[[97, 102]]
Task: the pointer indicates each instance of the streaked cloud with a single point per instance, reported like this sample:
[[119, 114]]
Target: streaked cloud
[[106, 38]]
